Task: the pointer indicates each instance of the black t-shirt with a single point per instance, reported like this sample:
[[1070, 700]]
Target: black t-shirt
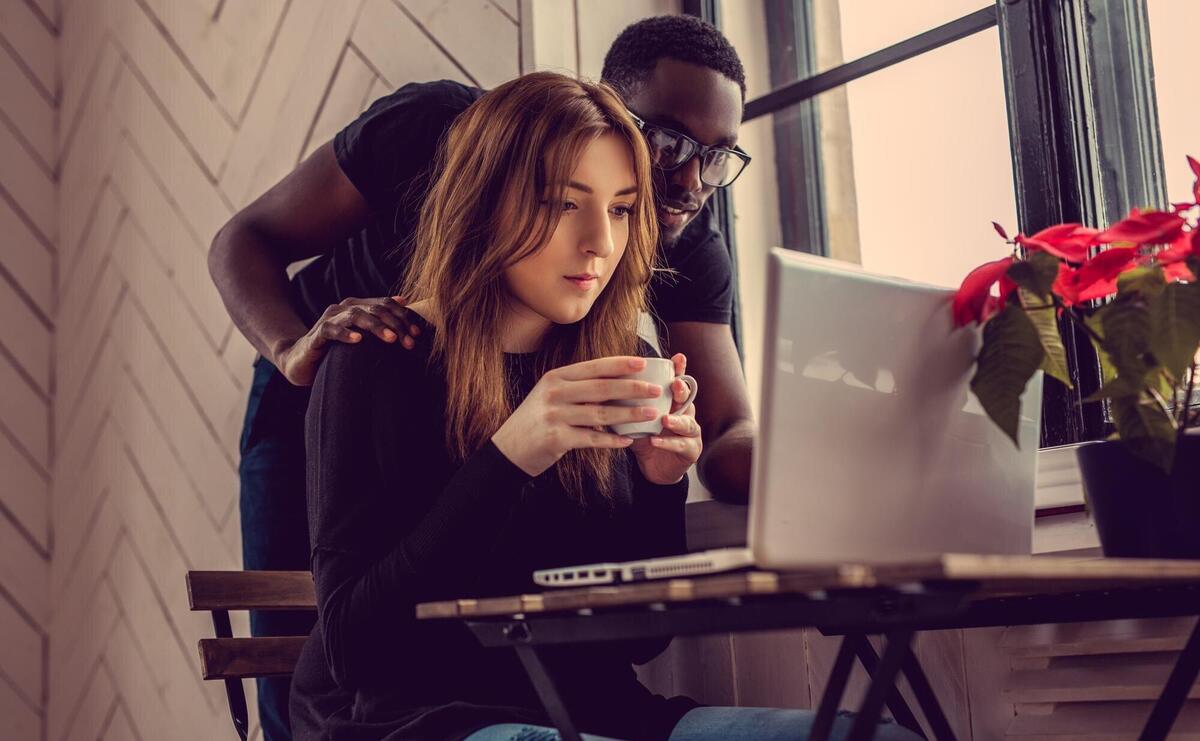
[[388, 154]]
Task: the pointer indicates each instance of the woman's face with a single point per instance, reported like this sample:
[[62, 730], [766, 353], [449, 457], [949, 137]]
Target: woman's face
[[561, 281]]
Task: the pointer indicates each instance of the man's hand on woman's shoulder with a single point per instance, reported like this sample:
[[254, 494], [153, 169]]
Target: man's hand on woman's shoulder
[[347, 321]]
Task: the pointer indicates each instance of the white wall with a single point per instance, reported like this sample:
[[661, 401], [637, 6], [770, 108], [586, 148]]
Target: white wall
[[572, 37]]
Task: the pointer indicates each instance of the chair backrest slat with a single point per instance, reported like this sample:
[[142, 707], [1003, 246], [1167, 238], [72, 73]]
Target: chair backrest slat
[[245, 658], [251, 590]]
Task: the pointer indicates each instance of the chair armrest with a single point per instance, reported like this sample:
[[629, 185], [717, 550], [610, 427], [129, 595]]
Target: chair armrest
[[251, 590]]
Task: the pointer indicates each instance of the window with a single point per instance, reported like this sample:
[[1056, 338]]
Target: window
[[828, 177], [891, 134]]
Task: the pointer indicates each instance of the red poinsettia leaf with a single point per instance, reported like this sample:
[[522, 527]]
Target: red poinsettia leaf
[[1070, 253], [1057, 233], [1195, 165], [1151, 227], [1107, 264], [1070, 242], [1064, 286], [1178, 271], [1180, 250], [1096, 278], [1000, 230], [1007, 286], [972, 296], [1100, 289]]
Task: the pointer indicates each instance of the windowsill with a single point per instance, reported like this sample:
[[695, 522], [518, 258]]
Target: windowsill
[[1059, 483]]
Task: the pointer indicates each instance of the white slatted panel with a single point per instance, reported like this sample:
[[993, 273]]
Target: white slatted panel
[[1086, 680], [29, 87]]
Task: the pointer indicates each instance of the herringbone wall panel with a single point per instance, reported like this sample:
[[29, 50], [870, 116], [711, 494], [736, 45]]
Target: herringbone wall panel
[[29, 84], [172, 115]]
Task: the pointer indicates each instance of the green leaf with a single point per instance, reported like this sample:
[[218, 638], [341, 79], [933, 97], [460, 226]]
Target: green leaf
[[1010, 355], [1146, 428], [1147, 280], [1126, 325], [1175, 327], [1095, 322], [1044, 320], [1114, 388], [1036, 273]]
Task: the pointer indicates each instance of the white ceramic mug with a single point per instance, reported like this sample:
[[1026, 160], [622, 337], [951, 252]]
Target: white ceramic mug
[[660, 371]]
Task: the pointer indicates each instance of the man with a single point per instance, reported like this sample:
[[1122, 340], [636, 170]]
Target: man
[[354, 203]]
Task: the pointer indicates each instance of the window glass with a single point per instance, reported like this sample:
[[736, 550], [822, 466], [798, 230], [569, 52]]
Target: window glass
[[867, 26], [1173, 25], [915, 163]]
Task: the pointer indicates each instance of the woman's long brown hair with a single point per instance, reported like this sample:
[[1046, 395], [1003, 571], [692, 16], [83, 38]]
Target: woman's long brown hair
[[501, 177]]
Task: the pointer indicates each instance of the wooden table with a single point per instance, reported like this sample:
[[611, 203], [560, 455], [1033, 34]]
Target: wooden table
[[894, 599]]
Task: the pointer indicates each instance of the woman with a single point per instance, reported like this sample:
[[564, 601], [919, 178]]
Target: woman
[[461, 467]]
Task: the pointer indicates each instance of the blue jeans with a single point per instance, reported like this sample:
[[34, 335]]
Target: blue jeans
[[717, 724], [274, 516]]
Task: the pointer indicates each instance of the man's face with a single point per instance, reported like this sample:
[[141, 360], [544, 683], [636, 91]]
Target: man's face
[[697, 101]]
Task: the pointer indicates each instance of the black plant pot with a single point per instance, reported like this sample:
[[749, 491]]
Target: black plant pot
[[1140, 511]]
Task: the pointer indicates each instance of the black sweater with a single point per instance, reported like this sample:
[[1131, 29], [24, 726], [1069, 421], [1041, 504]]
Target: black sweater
[[395, 521]]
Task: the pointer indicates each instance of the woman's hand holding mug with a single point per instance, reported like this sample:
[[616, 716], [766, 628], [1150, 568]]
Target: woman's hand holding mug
[[667, 447], [566, 406]]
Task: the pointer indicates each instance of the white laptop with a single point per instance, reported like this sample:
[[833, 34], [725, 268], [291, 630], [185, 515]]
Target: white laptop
[[870, 446]]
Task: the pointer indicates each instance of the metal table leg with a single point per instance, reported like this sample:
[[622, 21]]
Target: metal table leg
[[834, 689], [543, 683], [927, 699], [883, 681], [1176, 690], [895, 701]]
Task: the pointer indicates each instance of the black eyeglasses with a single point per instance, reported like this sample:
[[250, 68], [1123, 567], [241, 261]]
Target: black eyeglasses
[[670, 150]]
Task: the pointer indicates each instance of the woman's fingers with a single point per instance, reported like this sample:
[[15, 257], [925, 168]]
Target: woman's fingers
[[684, 446], [581, 437], [680, 391], [611, 367], [605, 389], [682, 425], [680, 362], [604, 415]]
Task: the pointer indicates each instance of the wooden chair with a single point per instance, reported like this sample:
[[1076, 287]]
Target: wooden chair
[[234, 659]]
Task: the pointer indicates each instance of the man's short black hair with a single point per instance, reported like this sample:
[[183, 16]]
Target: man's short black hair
[[633, 56]]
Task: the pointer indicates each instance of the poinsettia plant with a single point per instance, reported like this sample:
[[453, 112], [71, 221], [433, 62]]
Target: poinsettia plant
[[1131, 288]]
